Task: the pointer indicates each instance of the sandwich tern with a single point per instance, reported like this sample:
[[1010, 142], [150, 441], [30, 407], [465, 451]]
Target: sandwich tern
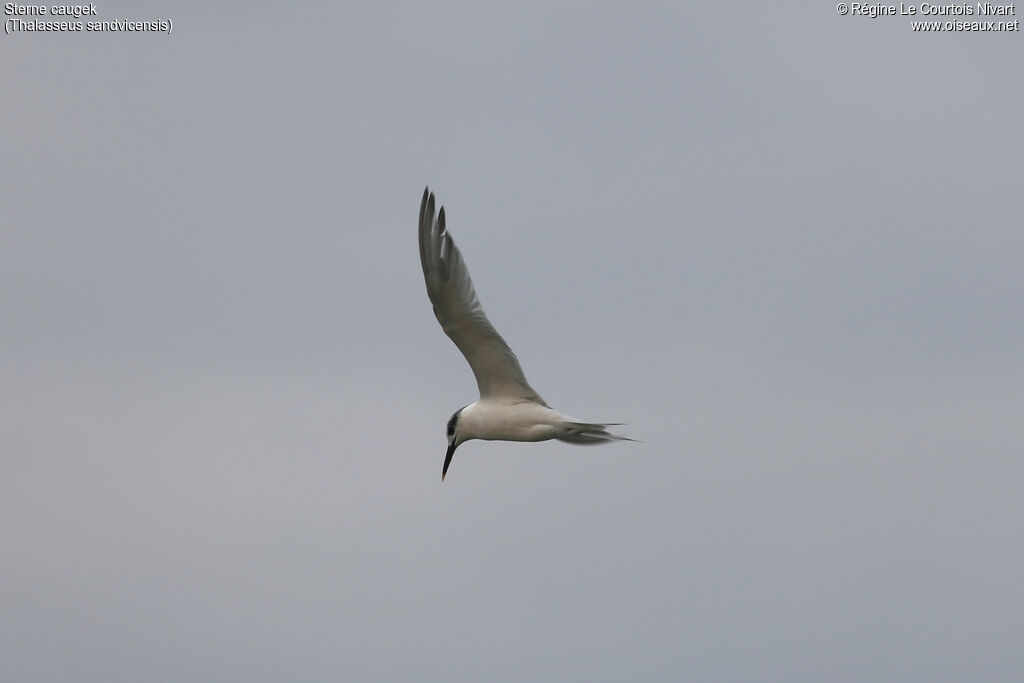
[[508, 409]]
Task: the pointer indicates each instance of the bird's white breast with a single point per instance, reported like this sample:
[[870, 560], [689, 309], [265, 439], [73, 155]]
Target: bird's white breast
[[508, 420]]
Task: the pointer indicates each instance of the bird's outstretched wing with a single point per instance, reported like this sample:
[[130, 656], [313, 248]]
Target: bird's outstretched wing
[[497, 370]]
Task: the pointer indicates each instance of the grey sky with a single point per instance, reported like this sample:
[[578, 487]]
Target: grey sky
[[784, 245]]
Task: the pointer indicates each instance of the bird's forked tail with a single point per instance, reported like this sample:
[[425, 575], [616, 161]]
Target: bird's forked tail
[[588, 433]]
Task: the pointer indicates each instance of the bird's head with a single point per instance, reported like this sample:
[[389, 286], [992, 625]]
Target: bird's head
[[454, 439]]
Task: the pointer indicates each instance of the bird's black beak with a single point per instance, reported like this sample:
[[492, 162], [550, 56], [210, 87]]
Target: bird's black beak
[[447, 460]]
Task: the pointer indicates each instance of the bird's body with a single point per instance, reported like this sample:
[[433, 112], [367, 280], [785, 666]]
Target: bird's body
[[498, 419], [508, 409]]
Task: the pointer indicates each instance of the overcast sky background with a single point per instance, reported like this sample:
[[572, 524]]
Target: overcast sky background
[[783, 245]]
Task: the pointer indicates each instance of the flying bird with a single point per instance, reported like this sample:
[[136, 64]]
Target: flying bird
[[509, 409]]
